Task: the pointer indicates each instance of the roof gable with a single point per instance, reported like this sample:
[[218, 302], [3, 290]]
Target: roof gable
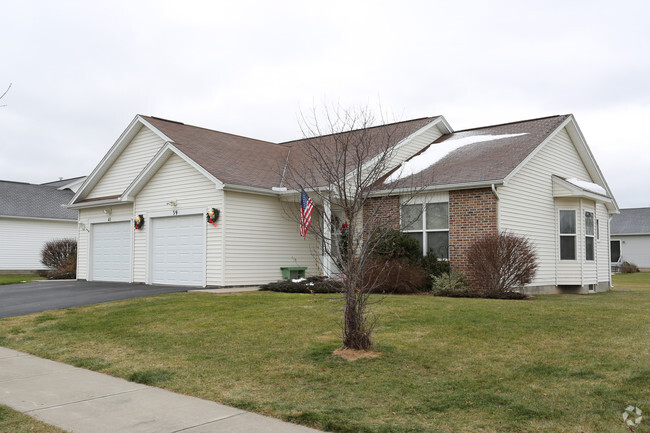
[[233, 159], [474, 156], [114, 153]]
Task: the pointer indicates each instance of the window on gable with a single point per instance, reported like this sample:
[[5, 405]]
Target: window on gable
[[589, 236], [429, 225], [567, 235]]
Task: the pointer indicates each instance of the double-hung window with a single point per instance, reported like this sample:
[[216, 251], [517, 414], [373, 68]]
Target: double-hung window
[[567, 234], [589, 236], [429, 224]]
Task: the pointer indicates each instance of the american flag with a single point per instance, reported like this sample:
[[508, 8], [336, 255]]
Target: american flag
[[306, 208]]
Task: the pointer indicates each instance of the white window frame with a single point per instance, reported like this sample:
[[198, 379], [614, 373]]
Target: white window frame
[[574, 235], [592, 236], [424, 230]]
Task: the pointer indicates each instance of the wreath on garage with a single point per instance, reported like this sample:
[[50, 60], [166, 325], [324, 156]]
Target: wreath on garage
[[212, 216]]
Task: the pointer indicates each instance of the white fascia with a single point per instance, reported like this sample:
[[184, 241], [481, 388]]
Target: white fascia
[[95, 203], [438, 122], [585, 154], [114, 152], [447, 187], [155, 164]]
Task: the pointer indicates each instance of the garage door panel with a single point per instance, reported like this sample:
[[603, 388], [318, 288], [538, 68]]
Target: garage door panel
[[178, 250], [111, 252]]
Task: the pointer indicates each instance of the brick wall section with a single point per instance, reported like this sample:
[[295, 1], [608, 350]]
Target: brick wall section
[[382, 212], [472, 214]]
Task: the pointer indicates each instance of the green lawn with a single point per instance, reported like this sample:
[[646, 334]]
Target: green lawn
[[551, 364], [15, 422], [18, 278]]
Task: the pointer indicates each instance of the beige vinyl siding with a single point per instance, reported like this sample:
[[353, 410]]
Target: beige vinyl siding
[[128, 165], [527, 207], [21, 241], [261, 238], [178, 180], [95, 214]]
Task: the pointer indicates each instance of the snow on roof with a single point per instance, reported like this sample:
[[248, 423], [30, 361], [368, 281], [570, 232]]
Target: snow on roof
[[436, 151], [588, 186]]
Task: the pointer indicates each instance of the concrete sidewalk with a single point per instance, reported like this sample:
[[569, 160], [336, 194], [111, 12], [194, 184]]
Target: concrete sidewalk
[[83, 401]]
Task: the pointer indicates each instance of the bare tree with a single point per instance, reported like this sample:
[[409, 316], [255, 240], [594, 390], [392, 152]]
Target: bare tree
[[342, 165], [3, 95]]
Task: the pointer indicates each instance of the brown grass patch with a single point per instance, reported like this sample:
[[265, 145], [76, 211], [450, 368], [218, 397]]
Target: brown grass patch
[[352, 354]]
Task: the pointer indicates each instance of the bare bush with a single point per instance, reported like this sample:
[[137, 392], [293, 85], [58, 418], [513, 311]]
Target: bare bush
[[60, 256], [501, 262], [629, 268]]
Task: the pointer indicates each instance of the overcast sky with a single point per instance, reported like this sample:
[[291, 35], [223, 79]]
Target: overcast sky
[[82, 70]]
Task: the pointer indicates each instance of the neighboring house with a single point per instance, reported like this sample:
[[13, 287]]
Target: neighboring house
[[536, 178], [30, 216], [631, 237]]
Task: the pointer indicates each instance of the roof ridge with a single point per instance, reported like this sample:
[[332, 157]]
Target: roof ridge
[[511, 123], [212, 130], [22, 183], [360, 129]]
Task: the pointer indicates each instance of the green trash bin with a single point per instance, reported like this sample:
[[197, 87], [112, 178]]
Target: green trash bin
[[293, 272]]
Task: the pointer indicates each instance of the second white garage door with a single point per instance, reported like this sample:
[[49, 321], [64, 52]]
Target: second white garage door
[[178, 250]]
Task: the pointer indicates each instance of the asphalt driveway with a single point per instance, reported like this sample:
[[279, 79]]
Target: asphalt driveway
[[26, 298]]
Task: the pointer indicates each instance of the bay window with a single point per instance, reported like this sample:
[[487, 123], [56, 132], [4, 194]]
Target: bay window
[[567, 234], [589, 236]]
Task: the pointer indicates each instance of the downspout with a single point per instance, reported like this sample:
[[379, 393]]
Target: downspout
[[609, 250], [496, 194]]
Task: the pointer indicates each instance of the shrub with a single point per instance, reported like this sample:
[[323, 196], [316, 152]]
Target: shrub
[[394, 276], [434, 267], [60, 256], [449, 281], [628, 268], [393, 244], [308, 285], [501, 263], [470, 293]]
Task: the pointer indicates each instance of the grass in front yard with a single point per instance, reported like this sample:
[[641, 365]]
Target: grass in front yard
[[15, 422], [551, 364], [18, 278]]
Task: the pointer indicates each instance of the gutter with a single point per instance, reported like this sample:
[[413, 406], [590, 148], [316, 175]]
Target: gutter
[[447, 187]]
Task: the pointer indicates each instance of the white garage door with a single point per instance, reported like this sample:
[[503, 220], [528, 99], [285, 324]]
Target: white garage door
[[111, 259], [178, 250]]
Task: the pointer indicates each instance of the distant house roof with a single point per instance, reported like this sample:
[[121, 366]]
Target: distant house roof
[[475, 155], [63, 182], [631, 221], [19, 199]]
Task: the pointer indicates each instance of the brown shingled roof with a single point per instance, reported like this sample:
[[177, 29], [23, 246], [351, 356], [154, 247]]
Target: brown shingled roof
[[485, 160], [232, 159], [238, 160]]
